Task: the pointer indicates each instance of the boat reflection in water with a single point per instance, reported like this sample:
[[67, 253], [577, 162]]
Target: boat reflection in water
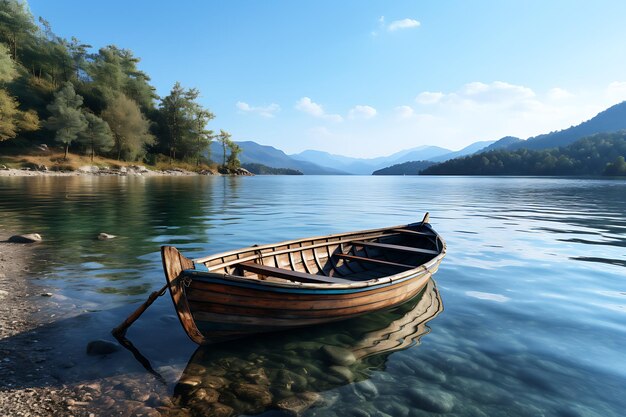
[[289, 370]]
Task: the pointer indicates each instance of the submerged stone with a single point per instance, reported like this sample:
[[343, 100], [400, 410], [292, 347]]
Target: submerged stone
[[338, 355], [106, 236], [431, 399], [101, 347], [298, 403], [257, 394]]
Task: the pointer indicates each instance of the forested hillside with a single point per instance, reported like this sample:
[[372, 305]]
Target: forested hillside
[[600, 154], [406, 168], [93, 100]]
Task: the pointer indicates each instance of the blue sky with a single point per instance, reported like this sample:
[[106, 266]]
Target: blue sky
[[369, 78]]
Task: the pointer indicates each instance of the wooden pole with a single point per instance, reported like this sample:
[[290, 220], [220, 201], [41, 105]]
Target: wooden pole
[[120, 330]]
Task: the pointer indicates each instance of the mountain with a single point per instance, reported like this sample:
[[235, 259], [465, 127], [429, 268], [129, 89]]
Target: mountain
[[365, 166], [599, 154], [254, 153], [405, 168], [610, 120], [502, 143], [468, 150]]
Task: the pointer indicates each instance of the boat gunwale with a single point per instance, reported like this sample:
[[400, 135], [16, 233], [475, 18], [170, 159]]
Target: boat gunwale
[[428, 267], [259, 248]]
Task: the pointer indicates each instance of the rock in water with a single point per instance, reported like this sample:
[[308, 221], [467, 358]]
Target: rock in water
[[296, 405], [101, 347], [338, 355], [106, 236], [28, 238], [431, 399]]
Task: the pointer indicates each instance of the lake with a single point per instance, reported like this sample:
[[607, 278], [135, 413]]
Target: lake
[[533, 293]]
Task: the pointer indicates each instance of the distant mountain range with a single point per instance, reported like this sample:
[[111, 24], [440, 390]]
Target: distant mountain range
[[312, 162]]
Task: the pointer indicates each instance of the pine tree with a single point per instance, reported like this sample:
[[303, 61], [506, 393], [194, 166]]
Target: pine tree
[[67, 119], [97, 136]]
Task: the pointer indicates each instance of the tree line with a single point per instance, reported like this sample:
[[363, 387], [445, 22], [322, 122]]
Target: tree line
[[55, 90], [600, 154]]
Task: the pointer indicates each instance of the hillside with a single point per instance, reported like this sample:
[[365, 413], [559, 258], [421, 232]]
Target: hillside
[[405, 168], [612, 119], [600, 154], [260, 169]]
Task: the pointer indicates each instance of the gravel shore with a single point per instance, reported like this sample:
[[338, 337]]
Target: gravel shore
[[27, 388]]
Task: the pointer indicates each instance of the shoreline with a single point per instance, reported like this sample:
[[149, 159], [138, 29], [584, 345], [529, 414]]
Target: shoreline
[[27, 386], [134, 171]]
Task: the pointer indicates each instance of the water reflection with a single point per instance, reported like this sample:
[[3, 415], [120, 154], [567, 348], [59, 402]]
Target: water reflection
[[289, 370]]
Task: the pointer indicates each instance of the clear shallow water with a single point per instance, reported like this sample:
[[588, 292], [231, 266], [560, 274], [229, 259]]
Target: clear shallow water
[[533, 288]]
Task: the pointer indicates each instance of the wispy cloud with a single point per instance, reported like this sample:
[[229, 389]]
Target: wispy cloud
[[394, 25], [264, 111], [362, 112], [403, 24], [308, 106]]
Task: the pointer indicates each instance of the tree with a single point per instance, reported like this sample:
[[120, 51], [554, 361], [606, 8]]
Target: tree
[[131, 130], [616, 168], [114, 70], [224, 139], [97, 136], [16, 25], [203, 136], [66, 118], [12, 120], [233, 158]]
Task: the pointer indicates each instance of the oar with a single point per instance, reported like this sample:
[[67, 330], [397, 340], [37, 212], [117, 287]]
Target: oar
[[120, 330]]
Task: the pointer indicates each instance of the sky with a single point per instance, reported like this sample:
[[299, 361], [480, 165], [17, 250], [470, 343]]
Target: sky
[[370, 78]]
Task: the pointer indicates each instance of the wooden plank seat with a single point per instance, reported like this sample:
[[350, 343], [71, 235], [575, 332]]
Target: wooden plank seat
[[387, 246], [373, 261], [289, 274], [412, 232]]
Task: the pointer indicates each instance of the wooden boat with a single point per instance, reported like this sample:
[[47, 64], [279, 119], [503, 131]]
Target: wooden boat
[[301, 282]]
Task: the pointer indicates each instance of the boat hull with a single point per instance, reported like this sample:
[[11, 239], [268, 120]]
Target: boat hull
[[219, 306]]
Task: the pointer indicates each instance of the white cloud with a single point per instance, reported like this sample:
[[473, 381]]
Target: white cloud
[[428, 97], [308, 106], [557, 93], [362, 112], [264, 111], [616, 91], [402, 24], [404, 112]]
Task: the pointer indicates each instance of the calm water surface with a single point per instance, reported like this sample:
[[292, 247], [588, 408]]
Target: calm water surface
[[533, 290]]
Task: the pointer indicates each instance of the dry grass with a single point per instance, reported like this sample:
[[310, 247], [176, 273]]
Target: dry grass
[[55, 160]]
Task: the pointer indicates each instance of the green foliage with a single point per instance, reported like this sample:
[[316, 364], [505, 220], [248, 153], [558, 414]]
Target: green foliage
[[233, 157], [184, 133], [616, 168], [131, 130], [36, 66], [97, 136], [16, 26], [406, 168], [587, 156], [114, 70], [260, 169], [7, 66], [66, 117], [8, 113], [224, 139]]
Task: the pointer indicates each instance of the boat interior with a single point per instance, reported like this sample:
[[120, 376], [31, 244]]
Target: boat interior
[[346, 258]]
